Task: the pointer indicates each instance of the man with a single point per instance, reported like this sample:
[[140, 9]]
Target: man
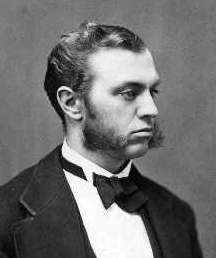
[[86, 198]]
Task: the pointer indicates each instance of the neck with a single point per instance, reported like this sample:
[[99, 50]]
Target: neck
[[103, 159]]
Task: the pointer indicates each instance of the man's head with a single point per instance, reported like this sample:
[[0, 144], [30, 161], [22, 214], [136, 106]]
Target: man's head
[[68, 61], [107, 75]]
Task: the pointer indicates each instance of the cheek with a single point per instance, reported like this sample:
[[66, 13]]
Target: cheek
[[121, 119], [113, 113]]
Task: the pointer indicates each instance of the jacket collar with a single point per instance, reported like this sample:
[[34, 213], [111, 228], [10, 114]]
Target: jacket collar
[[47, 182]]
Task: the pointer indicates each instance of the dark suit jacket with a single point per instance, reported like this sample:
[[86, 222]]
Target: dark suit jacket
[[39, 217]]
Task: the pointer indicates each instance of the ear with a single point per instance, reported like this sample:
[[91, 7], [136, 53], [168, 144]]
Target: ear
[[69, 102]]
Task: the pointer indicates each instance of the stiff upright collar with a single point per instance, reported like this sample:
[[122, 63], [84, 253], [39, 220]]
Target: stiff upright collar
[[88, 166]]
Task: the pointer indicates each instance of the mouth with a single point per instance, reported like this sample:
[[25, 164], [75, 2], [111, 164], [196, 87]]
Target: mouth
[[144, 132]]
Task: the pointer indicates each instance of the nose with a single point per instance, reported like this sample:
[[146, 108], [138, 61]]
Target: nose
[[147, 107]]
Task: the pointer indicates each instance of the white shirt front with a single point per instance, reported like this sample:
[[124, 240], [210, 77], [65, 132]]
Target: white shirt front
[[112, 232]]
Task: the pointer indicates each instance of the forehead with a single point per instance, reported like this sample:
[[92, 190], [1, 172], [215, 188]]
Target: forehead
[[119, 65]]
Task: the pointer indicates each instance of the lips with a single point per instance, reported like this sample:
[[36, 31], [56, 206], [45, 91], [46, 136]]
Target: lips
[[144, 132], [147, 129]]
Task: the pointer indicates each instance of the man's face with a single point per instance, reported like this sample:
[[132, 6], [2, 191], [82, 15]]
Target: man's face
[[120, 111]]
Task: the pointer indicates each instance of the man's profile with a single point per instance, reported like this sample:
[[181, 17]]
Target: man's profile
[[86, 198]]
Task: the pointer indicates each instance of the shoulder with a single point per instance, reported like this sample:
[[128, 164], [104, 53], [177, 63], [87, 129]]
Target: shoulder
[[10, 208], [165, 198], [10, 193], [16, 184], [167, 204]]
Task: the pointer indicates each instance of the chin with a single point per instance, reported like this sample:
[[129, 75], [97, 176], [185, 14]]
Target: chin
[[136, 150]]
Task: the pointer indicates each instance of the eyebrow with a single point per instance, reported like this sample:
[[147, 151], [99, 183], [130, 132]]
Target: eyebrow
[[156, 83], [137, 85]]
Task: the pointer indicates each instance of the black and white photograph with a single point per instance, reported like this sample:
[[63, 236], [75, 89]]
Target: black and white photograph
[[108, 128]]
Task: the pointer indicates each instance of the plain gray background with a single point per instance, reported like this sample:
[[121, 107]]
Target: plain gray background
[[182, 37]]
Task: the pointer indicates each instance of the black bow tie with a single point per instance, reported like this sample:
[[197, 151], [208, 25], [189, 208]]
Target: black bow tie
[[123, 190]]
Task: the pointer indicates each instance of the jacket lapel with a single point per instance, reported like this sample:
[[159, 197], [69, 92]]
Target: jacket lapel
[[52, 227], [168, 237]]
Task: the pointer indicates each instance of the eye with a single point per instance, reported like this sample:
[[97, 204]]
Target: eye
[[154, 92], [128, 95]]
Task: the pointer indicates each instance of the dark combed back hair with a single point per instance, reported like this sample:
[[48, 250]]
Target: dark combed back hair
[[67, 62]]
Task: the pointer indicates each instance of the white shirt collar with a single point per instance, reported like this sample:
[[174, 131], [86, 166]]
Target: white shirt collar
[[88, 166]]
